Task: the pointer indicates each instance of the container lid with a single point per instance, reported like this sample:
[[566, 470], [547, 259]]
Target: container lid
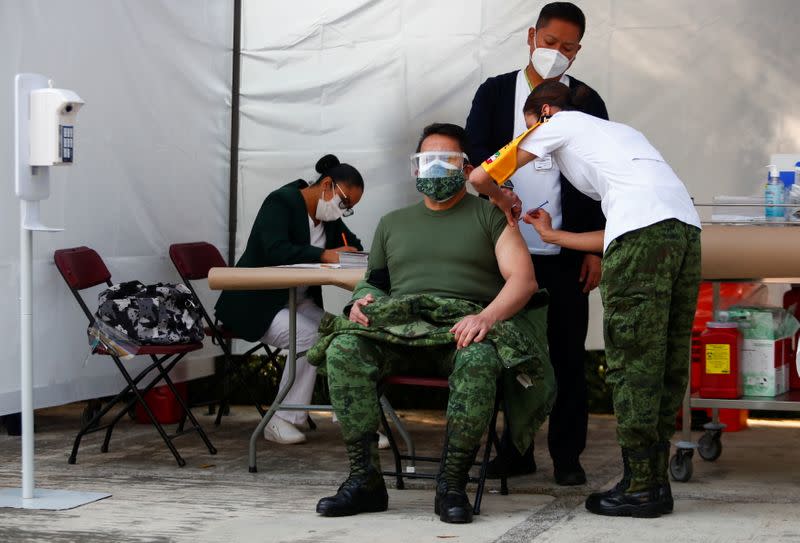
[[713, 324]]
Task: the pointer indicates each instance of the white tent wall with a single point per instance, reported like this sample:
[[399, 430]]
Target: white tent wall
[[151, 166], [713, 84]]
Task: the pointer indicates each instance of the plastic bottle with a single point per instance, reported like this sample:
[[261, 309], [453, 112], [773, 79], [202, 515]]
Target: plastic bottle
[[793, 213], [773, 194]]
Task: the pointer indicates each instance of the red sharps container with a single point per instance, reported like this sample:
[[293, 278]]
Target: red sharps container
[[791, 300], [721, 343]]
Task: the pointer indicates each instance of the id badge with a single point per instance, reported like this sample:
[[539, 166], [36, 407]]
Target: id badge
[[543, 164]]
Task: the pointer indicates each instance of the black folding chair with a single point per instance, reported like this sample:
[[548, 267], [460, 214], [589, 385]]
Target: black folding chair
[[492, 440], [193, 261], [83, 268]]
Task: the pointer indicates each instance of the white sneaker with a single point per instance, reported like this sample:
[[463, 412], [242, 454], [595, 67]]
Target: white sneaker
[[280, 431]]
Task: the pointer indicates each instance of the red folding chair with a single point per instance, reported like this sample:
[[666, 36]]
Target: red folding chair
[[193, 261], [491, 440], [83, 268]]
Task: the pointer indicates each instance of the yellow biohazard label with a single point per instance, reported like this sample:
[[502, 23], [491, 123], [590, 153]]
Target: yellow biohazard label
[[718, 359]]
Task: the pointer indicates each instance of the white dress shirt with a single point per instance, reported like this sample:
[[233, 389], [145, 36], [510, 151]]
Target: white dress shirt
[[615, 164]]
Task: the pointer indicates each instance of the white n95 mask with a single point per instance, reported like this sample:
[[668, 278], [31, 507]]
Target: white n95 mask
[[329, 210], [549, 63]]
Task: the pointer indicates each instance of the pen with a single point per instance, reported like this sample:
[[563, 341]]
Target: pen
[[344, 239]]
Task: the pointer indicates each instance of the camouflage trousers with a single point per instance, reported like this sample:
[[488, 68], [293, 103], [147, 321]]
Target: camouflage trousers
[[649, 287], [355, 365]]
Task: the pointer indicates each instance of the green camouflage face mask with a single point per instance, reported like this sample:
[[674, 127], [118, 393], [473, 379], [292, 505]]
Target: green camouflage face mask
[[441, 189]]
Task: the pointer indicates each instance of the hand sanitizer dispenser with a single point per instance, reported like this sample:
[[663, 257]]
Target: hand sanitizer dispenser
[[44, 125], [52, 126]]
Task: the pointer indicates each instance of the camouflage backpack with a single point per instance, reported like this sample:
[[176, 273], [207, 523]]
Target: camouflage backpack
[[159, 314]]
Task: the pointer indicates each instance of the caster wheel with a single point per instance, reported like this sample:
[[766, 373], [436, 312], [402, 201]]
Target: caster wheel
[[212, 450], [680, 465], [253, 469], [181, 462], [710, 446]]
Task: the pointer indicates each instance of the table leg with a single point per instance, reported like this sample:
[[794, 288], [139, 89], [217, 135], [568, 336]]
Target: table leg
[[389, 410], [291, 365]]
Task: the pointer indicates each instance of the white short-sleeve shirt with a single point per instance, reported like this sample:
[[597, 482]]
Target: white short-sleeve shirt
[[615, 164]]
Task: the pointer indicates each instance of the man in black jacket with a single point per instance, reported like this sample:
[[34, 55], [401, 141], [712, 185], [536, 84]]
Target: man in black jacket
[[495, 119]]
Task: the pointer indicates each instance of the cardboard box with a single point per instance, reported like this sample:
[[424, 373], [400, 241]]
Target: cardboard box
[[767, 356], [765, 366]]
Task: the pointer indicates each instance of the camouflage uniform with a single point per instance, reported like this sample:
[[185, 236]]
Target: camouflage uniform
[[649, 288], [412, 332]]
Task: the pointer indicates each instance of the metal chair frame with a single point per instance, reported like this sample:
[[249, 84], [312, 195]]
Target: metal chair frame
[[220, 336], [411, 473], [163, 359]]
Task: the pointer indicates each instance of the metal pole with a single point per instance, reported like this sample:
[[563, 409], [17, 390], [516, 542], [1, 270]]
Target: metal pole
[[291, 366], [233, 182], [26, 342]]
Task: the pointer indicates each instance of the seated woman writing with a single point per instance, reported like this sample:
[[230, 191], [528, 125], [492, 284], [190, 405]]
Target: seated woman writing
[[298, 223]]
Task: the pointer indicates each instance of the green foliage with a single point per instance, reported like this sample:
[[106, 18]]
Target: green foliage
[[599, 393]]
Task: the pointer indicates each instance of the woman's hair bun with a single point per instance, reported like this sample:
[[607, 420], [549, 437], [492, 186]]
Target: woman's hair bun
[[581, 96], [326, 163]]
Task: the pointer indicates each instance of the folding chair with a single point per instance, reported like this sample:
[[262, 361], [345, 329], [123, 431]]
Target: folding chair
[[193, 261], [83, 268], [411, 473]]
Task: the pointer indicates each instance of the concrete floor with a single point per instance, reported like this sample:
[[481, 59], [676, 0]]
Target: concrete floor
[[751, 493]]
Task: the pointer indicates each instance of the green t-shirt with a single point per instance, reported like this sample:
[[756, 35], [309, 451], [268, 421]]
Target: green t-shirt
[[446, 253]]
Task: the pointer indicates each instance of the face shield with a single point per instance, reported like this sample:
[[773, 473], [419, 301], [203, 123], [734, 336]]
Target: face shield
[[437, 164]]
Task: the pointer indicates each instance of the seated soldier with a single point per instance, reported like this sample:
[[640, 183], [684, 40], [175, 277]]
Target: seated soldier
[[448, 289]]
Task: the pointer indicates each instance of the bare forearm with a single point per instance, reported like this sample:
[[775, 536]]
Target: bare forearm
[[483, 183], [511, 298], [590, 242]]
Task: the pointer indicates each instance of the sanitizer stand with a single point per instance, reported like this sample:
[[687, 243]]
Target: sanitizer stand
[[32, 185]]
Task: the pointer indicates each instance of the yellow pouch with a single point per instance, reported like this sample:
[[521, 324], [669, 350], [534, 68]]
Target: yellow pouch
[[502, 165]]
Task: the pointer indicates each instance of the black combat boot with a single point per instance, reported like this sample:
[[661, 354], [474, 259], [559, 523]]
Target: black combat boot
[[509, 462], [364, 490], [635, 495], [451, 503], [661, 476]]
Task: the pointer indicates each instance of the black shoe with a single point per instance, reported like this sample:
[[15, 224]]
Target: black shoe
[[661, 471], [572, 476], [361, 494], [452, 507], [364, 490], [510, 463], [665, 500], [451, 502], [618, 503]]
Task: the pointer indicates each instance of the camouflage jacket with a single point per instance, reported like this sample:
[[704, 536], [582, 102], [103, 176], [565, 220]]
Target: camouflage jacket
[[424, 320]]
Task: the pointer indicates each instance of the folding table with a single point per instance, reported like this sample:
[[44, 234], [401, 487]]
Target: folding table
[[289, 278]]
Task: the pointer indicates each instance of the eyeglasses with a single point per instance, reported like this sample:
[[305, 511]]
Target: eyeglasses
[[344, 204]]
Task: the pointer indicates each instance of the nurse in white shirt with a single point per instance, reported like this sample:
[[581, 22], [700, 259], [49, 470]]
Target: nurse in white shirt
[[651, 274]]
